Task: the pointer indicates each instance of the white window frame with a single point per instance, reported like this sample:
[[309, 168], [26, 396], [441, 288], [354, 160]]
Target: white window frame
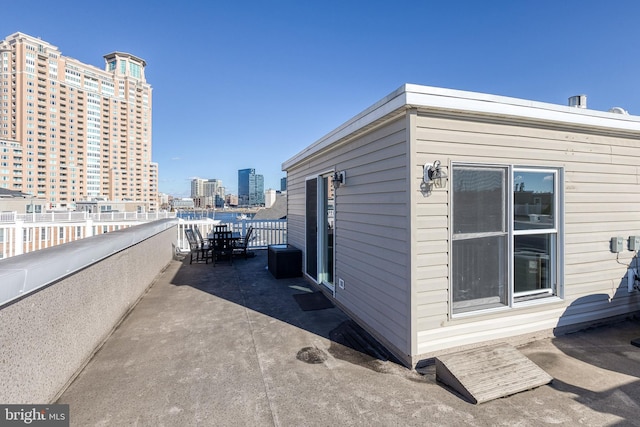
[[516, 298], [556, 257]]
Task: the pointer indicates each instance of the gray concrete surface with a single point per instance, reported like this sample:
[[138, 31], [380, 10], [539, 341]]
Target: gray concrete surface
[[48, 335], [229, 346]]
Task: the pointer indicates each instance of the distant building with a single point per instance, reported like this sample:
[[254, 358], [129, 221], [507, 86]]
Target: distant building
[[203, 202], [283, 184], [183, 203], [16, 201], [163, 201], [269, 198], [250, 188], [208, 188], [103, 206], [231, 200], [92, 125], [197, 187], [213, 188]]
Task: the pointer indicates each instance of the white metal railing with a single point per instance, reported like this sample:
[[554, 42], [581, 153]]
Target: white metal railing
[[24, 233], [75, 216], [20, 233], [265, 232]]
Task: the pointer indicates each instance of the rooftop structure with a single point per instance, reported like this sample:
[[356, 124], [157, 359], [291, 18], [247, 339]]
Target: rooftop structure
[[440, 218]]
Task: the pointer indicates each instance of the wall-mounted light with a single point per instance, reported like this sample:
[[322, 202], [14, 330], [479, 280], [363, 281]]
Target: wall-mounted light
[[339, 178], [433, 175]]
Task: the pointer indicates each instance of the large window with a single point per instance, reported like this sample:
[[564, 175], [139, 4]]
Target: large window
[[505, 241]]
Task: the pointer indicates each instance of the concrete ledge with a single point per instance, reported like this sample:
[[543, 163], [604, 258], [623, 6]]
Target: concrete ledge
[[48, 265], [80, 291]]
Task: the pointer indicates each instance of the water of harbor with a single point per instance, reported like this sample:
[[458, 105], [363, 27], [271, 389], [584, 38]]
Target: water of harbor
[[222, 216]]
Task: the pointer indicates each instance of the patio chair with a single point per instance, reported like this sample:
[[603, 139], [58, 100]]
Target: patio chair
[[204, 244], [241, 246], [196, 248], [222, 246], [220, 227]]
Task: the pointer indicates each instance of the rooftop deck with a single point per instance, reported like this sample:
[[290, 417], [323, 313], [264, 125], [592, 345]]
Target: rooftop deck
[[229, 345]]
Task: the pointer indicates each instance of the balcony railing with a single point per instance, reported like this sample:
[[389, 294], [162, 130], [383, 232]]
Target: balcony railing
[[265, 232], [73, 216], [25, 233]]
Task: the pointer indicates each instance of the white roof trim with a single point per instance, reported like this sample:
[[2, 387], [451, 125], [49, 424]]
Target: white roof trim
[[433, 98]]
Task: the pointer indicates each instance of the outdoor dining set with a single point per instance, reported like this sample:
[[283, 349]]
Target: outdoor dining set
[[220, 244]]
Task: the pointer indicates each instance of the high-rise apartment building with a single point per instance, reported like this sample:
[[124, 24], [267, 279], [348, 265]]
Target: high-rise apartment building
[[197, 187], [209, 190], [71, 131], [250, 188], [206, 187]]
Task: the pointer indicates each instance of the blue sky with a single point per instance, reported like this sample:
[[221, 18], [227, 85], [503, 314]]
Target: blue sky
[[279, 75]]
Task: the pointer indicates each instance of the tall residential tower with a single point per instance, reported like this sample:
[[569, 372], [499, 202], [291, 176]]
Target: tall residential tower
[[71, 131]]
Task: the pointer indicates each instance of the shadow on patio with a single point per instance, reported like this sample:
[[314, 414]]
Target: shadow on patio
[[248, 283], [229, 345]]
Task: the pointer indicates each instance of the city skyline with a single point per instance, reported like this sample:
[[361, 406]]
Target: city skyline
[[251, 84]]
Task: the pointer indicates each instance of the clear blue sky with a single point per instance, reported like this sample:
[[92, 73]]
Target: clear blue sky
[[248, 84]]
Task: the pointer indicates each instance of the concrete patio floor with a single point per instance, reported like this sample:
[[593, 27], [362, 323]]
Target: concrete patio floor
[[229, 346]]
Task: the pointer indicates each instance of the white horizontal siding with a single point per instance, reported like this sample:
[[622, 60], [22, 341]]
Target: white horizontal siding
[[295, 209], [371, 227], [602, 183]]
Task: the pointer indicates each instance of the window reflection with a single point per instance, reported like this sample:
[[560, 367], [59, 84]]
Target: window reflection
[[532, 271], [533, 198]]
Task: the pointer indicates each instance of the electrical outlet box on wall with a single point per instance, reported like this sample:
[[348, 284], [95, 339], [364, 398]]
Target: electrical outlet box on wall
[[617, 244]]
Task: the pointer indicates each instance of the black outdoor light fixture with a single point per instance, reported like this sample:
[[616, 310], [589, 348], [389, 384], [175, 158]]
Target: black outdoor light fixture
[[339, 178]]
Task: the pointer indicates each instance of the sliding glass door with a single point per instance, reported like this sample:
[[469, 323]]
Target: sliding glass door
[[320, 229]]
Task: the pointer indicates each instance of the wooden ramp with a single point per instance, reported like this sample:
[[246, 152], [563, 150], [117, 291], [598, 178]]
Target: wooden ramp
[[487, 373]]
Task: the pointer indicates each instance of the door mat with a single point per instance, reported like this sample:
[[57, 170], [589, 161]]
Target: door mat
[[312, 301]]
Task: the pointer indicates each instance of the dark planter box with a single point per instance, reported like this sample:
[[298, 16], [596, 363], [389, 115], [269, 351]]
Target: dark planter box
[[285, 261]]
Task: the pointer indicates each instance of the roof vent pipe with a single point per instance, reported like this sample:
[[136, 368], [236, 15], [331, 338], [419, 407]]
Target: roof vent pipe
[[578, 101]]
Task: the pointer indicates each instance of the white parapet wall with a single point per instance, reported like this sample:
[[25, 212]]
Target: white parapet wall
[[73, 296]]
